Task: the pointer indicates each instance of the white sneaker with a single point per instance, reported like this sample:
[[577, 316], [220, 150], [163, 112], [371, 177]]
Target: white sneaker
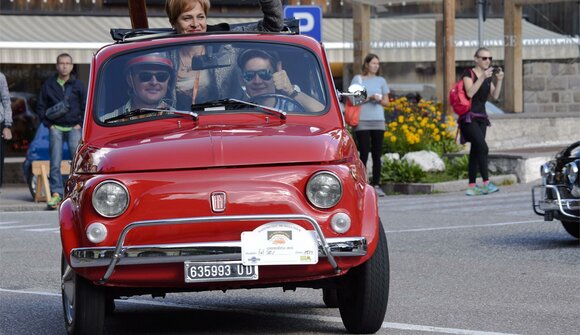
[[379, 191]]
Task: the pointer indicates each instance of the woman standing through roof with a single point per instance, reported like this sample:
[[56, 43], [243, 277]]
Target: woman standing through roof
[[370, 131], [473, 125], [190, 16]]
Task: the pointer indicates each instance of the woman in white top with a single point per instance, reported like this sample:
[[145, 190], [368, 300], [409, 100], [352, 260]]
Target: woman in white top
[[369, 133]]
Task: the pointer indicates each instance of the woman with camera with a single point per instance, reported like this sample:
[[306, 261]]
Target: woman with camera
[[479, 86]]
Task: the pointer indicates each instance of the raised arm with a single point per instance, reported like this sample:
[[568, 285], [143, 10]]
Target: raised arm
[[273, 18]]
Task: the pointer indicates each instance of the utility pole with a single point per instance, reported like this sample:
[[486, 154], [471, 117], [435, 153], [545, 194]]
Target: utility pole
[[449, 48], [361, 19], [480, 19], [138, 14]]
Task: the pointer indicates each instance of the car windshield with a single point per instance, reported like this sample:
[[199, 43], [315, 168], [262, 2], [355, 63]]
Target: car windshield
[[202, 78]]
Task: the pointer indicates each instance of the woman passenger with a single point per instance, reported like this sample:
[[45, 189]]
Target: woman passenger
[[195, 86]]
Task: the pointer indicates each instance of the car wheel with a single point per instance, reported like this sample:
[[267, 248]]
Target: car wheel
[[330, 298], [572, 227], [109, 306], [362, 301], [83, 303], [31, 181]]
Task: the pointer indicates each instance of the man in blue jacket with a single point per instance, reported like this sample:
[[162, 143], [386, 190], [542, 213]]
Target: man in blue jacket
[[66, 127]]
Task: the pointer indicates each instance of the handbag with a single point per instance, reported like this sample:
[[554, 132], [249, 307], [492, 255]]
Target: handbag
[[61, 108], [351, 113]]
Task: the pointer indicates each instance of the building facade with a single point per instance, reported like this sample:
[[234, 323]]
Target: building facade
[[402, 34]]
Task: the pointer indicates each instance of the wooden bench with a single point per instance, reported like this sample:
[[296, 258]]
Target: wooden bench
[[41, 169]]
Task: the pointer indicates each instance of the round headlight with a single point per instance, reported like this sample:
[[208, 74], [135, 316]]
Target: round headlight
[[324, 189], [96, 232], [110, 199], [545, 169], [572, 172]]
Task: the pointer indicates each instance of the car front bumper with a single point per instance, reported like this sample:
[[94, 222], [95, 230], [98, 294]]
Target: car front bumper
[[111, 256], [556, 205]]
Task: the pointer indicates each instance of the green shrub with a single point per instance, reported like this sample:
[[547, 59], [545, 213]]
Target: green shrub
[[457, 167], [401, 171]]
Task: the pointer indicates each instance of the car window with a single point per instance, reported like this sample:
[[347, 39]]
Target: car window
[[281, 76]]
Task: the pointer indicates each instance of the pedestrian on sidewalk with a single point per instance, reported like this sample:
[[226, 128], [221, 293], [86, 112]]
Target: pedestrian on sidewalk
[[62, 86], [5, 121], [370, 131], [487, 81]]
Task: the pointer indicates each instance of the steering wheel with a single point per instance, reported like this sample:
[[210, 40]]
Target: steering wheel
[[257, 98]]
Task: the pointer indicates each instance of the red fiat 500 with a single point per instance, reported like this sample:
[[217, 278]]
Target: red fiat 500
[[218, 162]]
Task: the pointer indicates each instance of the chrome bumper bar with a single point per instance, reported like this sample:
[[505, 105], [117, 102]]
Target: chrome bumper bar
[[565, 206], [211, 251], [198, 252]]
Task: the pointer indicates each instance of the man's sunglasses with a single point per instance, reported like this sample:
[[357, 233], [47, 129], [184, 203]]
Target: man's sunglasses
[[146, 76], [486, 58], [263, 74]]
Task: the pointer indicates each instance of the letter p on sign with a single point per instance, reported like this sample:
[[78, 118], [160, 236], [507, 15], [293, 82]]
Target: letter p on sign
[[310, 19]]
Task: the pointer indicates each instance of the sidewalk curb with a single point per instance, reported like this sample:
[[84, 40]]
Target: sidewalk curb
[[17, 198], [23, 207], [449, 186]]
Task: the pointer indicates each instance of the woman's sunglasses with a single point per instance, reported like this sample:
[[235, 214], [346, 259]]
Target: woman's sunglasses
[[485, 58], [263, 74], [146, 76]]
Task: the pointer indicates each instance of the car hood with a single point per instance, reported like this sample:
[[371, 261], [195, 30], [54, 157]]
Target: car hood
[[215, 147]]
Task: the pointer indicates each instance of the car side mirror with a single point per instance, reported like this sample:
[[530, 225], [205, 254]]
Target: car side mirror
[[356, 92]]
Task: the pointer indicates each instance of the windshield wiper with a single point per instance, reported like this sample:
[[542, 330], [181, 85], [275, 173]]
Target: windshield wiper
[[141, 111], [223, 104]]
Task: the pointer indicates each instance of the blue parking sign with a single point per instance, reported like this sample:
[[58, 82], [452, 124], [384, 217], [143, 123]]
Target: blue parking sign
[[310, 19]]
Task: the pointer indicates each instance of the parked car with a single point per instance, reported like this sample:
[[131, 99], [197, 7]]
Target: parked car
[[38, 151], [24, 120], [559, 195], [229, 193]]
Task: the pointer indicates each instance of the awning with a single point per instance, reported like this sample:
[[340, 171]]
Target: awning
[[413, 40], [392, 39]]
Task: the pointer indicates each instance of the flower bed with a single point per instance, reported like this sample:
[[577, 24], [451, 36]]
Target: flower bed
[[415, 126]]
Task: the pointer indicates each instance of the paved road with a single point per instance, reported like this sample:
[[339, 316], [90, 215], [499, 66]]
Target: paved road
[[459, 265], [484, 263]]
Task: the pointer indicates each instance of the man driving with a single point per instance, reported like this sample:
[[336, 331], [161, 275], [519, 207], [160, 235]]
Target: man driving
[[148, 77], [262, 82]]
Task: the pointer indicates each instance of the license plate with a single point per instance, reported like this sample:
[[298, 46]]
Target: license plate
[[219, 271]]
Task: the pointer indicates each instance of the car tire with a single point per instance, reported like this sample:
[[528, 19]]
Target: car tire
[[31, 181], [330, 297], [109, 306], [363, 299], [83, 303], [572, 227]]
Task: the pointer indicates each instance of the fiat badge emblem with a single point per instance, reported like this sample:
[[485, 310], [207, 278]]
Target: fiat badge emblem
[[218, 202]]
